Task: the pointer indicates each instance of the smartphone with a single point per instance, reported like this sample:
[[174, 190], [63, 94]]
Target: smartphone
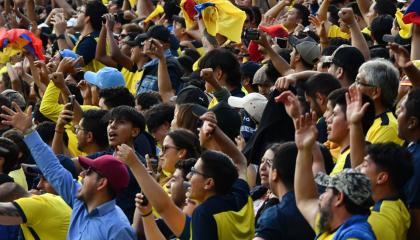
[[145, 201], [154, 162], [251, 34], [71, 101], [282, 42]]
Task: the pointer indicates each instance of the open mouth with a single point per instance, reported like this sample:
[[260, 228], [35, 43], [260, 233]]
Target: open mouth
[[112, 136]]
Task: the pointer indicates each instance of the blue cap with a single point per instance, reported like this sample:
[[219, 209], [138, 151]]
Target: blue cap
[[68, 53], [107, 77]]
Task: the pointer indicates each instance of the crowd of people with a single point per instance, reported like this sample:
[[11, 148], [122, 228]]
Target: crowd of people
[[218, 119]]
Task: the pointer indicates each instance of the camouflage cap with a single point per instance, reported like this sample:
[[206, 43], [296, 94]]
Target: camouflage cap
[[355, 185]]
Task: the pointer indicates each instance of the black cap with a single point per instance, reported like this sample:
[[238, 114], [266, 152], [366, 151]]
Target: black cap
[[158, 32], [192, 94], [389, 38], [137, 41], [347, 57], [65, 161]]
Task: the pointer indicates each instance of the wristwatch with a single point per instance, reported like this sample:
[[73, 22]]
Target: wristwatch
[[61, 36]]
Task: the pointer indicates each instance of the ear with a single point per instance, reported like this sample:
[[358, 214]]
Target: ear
[[274, 175], [135, 132], [87, 19], [102, 184], [297, 57], [382, 178], [218, 73], [182, 153], [209, 184], [413, 123], [320, 98], [339, 73], [376, 93], [339, 199], [89, 137]]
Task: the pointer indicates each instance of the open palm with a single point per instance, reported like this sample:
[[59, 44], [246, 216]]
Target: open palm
[[355, 110], [18, 119], [306, 132]]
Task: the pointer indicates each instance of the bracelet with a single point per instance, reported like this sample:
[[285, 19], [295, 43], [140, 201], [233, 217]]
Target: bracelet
[[58, 131], [148, 214]]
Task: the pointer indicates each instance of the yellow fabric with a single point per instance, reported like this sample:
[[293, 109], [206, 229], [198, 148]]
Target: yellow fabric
[[51, 109], [223, 18], [335, 32], [366, 31], [381, 132], [158, 10], [390, 221], [93, 65], [341, 161], [3, 70], [19, 178], [195, 65], [324, 235], [131, 79], [47, 214], [405, 29], [244, 223], [334, 149]]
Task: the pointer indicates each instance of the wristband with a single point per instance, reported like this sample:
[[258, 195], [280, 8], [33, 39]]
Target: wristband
[[148, 214], [29, 131], [61, 36]]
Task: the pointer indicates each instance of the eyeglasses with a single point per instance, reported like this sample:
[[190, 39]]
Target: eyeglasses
[[267, 161], [90, 170], [358, 82], [78, 128], [194, 171], [167, 147]]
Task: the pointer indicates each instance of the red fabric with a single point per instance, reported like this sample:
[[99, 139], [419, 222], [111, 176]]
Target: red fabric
[[275, 31], [189, 8], [411, 17], [254, 54]]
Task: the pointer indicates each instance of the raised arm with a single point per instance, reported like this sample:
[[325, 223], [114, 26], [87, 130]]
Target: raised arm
[[100, 53], [305, 188], [54, 172], [211, 134], [364, 6], [354, 114], [276, 9], [144, 8], [143, 216], [161, 202], [115, 51], [66, 117], [415, 43], [357, 39], [402, 59]]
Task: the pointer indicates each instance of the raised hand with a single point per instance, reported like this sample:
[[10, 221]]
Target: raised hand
[[142, 204], [60, 24], [154, 48], [126, 154], [347, 16], [58, 79], [66, 117], [291, 103], [355, 110], [18, 119], [67, 65], [208, 128], [402, 56], [319, 26], [306, 132]]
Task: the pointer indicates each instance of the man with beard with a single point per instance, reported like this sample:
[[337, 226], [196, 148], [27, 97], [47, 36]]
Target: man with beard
[[93, 202], [341, 212]]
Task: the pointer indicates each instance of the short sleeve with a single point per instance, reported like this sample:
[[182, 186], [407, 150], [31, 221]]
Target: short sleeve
[[87, 49], [30, 208], [267, 227]]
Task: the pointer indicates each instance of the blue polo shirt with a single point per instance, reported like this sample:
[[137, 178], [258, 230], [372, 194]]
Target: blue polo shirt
[[412, 188], [284, 221]]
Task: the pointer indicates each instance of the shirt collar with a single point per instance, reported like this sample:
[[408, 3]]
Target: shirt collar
[[104, 208]]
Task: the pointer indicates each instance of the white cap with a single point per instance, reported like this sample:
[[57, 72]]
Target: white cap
[[253, 103]]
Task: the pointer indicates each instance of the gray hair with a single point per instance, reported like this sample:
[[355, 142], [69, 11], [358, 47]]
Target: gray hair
[[383, 74]]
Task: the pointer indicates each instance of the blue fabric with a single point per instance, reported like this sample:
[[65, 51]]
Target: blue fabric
[[9, 232], [107, 221], [412, 188], [355, 227], [283, 221], [248, 127]]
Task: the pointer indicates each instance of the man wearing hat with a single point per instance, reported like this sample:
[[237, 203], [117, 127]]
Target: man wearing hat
[[93, 201], [164, 70], [306, 53], [341, 212]]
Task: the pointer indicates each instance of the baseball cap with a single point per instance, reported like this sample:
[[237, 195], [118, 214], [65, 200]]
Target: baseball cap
[[389, 38], [347, 57], [111, 168], [68, 53], [261, 77], [307, 48], [355, 185], [15, 96], [192, 94], [107, 77], [158, 32], [253, 103], [228, 119], [275, 31], [249, 68]]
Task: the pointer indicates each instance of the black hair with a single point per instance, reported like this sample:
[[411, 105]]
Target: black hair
[[148, 99], [412, 104], [369, 115], [323, 83], [186, 63], [10, 156], [220, 167], [185, 139], [272, 72], [6, 80], [158, 115], [93, 121], [192, 53], [185, 166], [395, 160], [95, 10], [339, 41], [383, 7], [226, 61], [379, 52], [117, 96], [4, 101], [380, 26], [355, 8], [180, 20], [257, 15], [333, 10], [353, 208], [284, 163], [17, 138], [38, 116], [127, 113], [76, 92], [303, 13], [171, 8], [46, 131]]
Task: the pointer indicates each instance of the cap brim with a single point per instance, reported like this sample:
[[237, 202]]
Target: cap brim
[[293, 40], [236, 102], [31, 169], [90, 77], [85, 162], [322, 179], [198, 110], [389, 38]]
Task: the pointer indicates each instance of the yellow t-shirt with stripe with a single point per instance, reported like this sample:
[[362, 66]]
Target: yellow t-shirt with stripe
[[45, 216], [384, 129], [131, 79], [343, 161]]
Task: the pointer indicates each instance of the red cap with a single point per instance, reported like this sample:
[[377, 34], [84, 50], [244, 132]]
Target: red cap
[[114, 170], [275, 31]]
